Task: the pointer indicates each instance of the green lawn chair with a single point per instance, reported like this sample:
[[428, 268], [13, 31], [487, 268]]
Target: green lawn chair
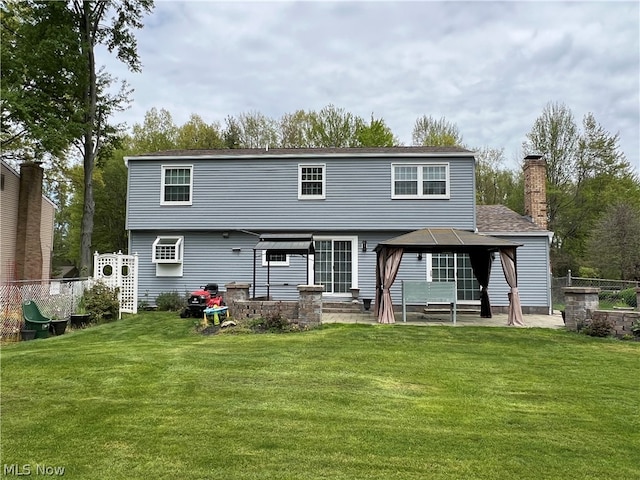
[[34, 320]]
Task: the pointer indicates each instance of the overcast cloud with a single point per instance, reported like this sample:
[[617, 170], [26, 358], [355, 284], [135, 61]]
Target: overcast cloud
[[488, 67]]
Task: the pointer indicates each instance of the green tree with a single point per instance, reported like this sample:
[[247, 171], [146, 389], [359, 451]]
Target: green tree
[[496, 184], [69, 33], [374, 134], [197, 134], [40, 83], [586, 173], [614, 246], [294, 129], [332, 127], [256, 130], [232, 134], [156, 133], [437, 133]]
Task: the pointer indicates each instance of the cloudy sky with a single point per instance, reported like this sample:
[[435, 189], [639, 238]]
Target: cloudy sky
[[488, 67]]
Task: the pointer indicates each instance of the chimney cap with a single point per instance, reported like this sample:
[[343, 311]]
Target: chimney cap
[[533, 156]]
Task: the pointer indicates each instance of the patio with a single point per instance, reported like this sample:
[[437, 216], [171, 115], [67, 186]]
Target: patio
[[444, 319]]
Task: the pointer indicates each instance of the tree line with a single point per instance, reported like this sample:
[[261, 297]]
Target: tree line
[[57, 106]]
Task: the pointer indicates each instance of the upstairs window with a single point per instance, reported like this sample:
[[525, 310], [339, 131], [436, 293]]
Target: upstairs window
[[311, 182], [420, 181], [167, 250], [177, 185]]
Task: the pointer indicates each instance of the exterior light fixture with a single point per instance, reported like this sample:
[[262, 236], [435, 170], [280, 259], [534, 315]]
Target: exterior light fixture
[[364, 245]]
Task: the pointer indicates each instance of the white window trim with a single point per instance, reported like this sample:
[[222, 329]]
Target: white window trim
[[162, 184], [178, 242], [419, 195], [324, 181], [273, 263]]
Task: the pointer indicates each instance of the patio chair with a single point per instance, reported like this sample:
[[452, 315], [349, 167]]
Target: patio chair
[[34, 320]]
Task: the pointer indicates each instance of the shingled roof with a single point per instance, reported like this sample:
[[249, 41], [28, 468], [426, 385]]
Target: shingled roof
[[500, 219], [277, 152]]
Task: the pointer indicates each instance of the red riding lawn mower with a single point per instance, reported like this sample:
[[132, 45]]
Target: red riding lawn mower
[[207, 297]]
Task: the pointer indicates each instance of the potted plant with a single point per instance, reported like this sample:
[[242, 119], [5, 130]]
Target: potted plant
[[81, 317], [26, 333], [58, 326], [635, 329]]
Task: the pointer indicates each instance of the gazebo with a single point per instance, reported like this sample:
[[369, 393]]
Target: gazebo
[[481, 250]]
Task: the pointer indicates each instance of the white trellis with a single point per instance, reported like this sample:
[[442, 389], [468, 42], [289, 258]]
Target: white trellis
[[118, 270]]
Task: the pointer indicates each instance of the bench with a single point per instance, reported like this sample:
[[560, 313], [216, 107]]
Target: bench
[[425, 293]]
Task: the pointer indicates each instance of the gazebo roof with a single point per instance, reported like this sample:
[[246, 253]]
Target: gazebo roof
[[445, 240]]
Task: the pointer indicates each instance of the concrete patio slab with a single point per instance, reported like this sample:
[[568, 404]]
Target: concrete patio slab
[[444, 319]]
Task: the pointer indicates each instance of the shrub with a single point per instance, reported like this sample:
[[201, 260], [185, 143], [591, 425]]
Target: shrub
[[170, 301], [629, 297], [588, 272], [101, 302], [599, 327]]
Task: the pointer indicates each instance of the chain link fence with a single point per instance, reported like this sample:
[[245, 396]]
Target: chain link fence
[[604, 284], [55, 298]]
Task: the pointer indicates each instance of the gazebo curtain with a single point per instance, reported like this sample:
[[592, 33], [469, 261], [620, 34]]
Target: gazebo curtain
[[386, 271], [481, 261], [508, 259]]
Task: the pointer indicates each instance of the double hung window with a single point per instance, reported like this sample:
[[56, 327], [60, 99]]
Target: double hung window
[[420, 180], [177, 185], [311, 182]]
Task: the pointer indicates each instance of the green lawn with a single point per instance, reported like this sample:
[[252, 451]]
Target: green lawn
[[147, 398]]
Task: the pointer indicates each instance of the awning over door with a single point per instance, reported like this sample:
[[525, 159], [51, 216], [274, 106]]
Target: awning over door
[[282, 244], [481, 250]]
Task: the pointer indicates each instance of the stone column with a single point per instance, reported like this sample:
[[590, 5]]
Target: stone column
[[580, 302], [310, 304], [236, 293]]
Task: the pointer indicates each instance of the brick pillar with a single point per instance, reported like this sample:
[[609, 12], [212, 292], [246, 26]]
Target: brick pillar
[[310, 304], [535, 189], [236, 292], [579, 302], [28, 243]]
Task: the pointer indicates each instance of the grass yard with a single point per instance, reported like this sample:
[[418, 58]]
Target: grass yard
[[147, 398]]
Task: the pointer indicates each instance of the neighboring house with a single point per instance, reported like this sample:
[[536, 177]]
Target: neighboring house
[[26, 224], [194, 217]]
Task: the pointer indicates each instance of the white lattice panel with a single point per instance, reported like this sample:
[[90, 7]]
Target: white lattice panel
[[117, 270]]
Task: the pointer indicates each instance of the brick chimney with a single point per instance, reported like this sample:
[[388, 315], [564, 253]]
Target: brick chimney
[[535, 189], [28, 244]]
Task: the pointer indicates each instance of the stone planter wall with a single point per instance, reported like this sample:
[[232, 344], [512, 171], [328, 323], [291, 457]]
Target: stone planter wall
[[307, 310], [264, 309], [620, 319], [582, 308]]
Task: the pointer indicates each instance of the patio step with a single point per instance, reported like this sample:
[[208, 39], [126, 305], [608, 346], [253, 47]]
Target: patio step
[[342, 307]]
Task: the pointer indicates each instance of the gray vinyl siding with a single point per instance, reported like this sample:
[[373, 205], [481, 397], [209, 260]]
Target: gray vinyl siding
[[209, 258], [262, 195], [534, 282]]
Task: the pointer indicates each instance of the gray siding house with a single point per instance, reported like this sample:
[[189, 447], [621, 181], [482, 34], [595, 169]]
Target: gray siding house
[[194, 217]]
